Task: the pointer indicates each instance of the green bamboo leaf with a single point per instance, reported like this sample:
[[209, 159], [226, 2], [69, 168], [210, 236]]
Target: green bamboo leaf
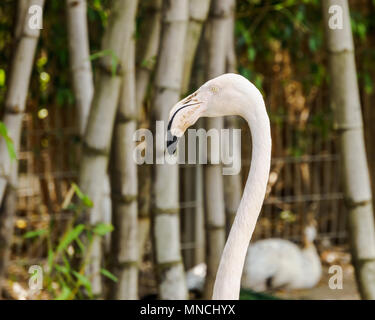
[[66, 262], [34, 234], [65, 293], [114, 61], [251, 53], [100, 54], [3, 130], [368, 83], [2, 78], [313, 44], [87, 201], [78, 191], [109, 275], [83, 197], [10, 147], [103, 53], [80, 244], [8, 141], [51, 256], [69, 237], [83, 280], [102, 229], [149, 63], [62, 269]]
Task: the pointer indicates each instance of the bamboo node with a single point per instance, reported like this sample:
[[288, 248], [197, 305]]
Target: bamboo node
[[107, 69], [347, 127], [124, 199], [13, 109], [350, 204], [215, 227], [92, 151], [363, 261], [126, 264], [162, 267], [157, 211], [122, 118]]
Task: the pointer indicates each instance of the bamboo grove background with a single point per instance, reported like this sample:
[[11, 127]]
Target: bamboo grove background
[[279, 45]]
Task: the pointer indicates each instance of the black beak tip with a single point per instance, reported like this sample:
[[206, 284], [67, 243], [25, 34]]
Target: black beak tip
[[171, 144]]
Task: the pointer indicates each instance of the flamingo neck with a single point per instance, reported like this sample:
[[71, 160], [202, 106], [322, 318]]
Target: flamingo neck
[[228, 277]]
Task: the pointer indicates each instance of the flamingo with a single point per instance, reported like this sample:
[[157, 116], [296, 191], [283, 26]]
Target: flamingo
[[227, 95]]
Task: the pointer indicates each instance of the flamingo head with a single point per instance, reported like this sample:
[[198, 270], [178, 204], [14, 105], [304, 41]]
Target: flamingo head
[[215, 98]]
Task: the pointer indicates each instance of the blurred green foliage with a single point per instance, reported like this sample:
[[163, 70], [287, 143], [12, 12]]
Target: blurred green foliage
[[50, 85], [68, 256], [297, 26]]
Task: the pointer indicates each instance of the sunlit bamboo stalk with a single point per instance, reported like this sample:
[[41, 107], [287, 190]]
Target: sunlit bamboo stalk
[[217, 35], [345, 102], [147, 50], [166, 226], [26, 40], [124, 183], [98, 135], [198, 12]]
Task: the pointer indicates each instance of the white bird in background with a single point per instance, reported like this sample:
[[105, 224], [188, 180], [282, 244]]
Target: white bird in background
[[272, 264], [278, 263], [227, 95]]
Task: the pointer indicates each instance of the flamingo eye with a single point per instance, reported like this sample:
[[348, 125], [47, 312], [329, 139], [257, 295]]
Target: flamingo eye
[[214, 89]]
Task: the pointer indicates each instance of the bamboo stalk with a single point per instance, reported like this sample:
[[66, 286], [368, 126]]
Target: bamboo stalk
[[79, 49], [198, 12], [199, 229], [98, 135], [125, 183], [147, 47], [83, 85], [26, 40], [217, 28], [147, 50], [20, 73], [166, 226], [345, 103]]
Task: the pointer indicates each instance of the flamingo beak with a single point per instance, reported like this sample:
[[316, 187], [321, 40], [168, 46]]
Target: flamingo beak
[[173, 134], [171, 142]]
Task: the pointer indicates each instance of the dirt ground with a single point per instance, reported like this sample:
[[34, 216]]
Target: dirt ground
[[334, 255], [323, 292]]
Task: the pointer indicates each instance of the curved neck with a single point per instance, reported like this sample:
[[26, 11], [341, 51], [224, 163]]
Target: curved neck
[[311, 267], [228, 277]]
